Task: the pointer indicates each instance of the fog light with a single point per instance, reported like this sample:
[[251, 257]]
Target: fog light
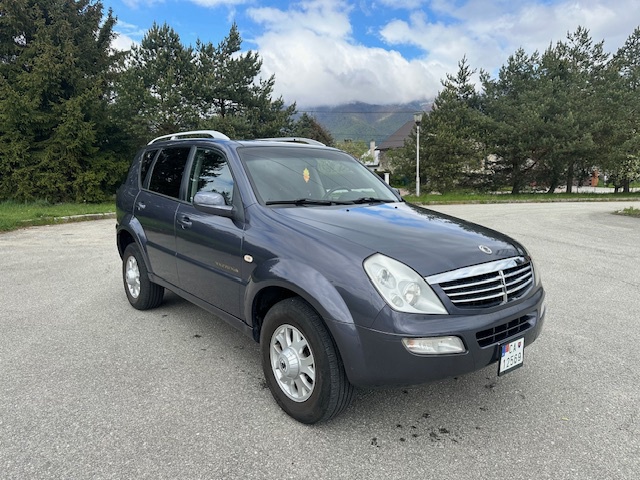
[[434, 345]]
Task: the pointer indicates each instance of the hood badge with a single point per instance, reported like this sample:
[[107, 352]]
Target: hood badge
[[485, 249]]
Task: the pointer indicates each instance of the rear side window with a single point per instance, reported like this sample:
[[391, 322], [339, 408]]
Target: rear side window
[[210, 173], [166, 176], [145, 164]]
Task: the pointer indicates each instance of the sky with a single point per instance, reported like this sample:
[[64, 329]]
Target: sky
[[331, 52]]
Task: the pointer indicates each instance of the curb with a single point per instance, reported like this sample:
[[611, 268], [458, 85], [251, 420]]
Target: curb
[[80, 218]]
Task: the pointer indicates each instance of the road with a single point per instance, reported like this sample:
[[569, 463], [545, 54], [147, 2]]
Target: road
[[91, 388]]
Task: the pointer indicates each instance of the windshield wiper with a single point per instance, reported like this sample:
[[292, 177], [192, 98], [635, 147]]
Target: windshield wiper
[[300, 201], [372, 200]]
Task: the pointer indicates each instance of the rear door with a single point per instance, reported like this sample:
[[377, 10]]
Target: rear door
[[209, 247], [155, 208]]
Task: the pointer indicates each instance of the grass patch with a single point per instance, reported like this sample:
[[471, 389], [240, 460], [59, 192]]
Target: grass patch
[[15, 215], [630, 212], [454, 198]]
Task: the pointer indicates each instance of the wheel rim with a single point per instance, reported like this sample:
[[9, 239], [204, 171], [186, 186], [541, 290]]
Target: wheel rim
[[132, 276], [292, 363]]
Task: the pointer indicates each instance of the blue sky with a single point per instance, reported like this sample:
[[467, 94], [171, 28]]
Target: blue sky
[[329, 52]]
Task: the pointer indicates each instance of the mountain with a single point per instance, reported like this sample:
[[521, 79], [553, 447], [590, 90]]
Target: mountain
[[365, 122]]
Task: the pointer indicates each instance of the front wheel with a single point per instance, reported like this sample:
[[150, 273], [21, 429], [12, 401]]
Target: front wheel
[[142, 293], [301, 364]]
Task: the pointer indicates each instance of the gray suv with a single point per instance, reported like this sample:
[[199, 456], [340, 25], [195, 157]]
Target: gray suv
[[339, 280]]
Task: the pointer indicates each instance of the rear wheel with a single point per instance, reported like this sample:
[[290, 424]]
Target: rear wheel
[[301, 364], [141, 292]]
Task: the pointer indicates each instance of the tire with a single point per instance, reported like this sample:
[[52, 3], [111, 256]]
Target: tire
[[141, 292], [301, 364]]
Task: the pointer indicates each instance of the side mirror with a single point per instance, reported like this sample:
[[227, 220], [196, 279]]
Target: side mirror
[[213, 202]]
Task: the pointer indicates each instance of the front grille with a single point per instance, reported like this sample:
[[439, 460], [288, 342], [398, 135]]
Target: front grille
[[497, 334], [486, 285]]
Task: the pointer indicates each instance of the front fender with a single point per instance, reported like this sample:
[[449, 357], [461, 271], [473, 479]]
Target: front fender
[[323, 296], [302, 279]]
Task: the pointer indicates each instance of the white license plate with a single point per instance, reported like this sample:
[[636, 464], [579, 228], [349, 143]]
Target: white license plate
[[511, 356]]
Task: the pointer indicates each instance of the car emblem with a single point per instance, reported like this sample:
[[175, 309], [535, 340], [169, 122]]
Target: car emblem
[[485, 249]]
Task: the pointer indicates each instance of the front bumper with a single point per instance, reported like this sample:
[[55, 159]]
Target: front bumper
[[375, 357]]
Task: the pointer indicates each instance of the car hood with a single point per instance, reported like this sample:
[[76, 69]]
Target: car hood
[[427, 241]]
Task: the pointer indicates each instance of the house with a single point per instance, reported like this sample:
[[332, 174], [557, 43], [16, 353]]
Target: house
[[394, 141]]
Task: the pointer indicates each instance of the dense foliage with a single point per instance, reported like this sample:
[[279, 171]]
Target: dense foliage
[[548, 119], [73, 111], [55, 131]]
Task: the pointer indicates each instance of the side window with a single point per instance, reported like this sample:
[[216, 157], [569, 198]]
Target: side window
[[145, 163], [210, 173], [167, 171]]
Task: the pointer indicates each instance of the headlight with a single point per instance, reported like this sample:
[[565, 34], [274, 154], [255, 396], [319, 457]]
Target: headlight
[[401, 287]]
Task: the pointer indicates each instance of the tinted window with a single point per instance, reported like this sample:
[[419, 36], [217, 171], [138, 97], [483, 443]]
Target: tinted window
[[167, 171], [291, 173], [210, 173], [145, 163]]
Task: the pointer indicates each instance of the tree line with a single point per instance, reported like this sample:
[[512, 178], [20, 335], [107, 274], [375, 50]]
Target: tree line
[[73, 111], [546, 120]]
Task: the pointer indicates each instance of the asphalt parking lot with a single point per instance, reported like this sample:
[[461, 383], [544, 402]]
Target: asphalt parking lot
[[91, 388]]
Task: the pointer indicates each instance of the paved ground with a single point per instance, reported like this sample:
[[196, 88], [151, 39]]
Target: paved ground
[[91, 388]]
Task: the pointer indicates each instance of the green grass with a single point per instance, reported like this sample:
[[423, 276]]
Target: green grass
[[630, 212], [15, 215], [453, 198]]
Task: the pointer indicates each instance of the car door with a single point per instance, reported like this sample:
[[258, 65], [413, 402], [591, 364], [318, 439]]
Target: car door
[[209, 247], [155, 208]]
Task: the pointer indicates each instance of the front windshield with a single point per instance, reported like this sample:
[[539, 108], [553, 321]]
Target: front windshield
[[317, 176]]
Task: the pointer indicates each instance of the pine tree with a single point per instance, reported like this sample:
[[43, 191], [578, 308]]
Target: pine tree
[[155, 93], [624, 162], [231, 95], [55, 61], [308, 127]]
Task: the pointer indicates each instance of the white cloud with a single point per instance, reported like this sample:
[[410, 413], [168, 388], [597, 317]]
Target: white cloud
[[315, 70], [488, 32], [316, 62], [126, 35], [324, 17], [311, 45], [122, 42]]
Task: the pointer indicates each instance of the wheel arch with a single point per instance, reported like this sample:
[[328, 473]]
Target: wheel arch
[[280, 279], [130, 231]]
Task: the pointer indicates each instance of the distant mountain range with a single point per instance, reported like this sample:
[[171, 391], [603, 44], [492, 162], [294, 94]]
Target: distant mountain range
[[364, 122]]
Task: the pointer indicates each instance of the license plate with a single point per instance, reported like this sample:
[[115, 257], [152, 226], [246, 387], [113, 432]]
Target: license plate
[[511, 356]]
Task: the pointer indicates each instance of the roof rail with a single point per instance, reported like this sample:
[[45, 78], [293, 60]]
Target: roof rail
[[308, 141], [192, 134]]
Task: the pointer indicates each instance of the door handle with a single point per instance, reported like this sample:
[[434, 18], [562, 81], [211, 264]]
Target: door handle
[[141, 206], [185, 222]]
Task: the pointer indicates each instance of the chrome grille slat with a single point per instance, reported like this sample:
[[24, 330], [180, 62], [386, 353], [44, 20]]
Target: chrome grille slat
[[482, 290], [479, 299], [486, 285], [519, 287], [520, 271], [473, 284]]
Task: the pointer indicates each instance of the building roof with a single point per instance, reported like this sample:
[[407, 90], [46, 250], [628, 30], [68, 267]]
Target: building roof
[[396, 139]]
